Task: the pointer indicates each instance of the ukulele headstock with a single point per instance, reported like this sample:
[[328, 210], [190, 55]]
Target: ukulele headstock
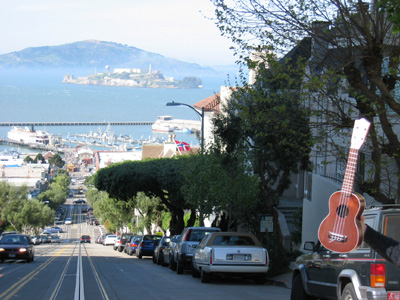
[[360, 132]]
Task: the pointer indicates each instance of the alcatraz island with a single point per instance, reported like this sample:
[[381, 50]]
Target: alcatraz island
[[135, 78]]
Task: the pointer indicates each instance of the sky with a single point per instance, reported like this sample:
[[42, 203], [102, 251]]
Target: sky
[[173, 28]]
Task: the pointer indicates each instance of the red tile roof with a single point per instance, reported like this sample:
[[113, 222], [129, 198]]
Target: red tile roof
[[210, 104]]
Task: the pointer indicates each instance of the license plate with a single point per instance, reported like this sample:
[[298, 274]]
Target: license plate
[[393, 295], [238, 257], [11, 255]]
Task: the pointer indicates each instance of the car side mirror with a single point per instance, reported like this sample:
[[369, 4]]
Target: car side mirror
[[309, 246]]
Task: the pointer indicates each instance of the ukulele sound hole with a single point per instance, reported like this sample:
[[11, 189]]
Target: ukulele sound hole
[[342, 211]]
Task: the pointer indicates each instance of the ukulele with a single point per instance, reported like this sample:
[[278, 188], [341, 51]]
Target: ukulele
[[341, 231]]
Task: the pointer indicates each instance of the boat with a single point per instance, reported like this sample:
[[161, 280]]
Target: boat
[[28, 136], [161, 124]]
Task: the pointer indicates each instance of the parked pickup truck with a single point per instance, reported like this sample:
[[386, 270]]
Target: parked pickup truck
[[230, 254], [360, 274]]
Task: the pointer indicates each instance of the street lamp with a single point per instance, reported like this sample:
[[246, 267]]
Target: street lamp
[[202, 121], [201, 218]]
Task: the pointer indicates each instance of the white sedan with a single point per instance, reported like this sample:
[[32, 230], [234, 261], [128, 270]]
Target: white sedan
[[230, 254], [109, 240], [68, 221]]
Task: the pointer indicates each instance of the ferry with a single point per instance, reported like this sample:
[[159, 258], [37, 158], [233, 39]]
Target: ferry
[[28, 136], [161, 124]]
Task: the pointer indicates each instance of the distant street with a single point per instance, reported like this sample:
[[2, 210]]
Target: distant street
[[71, 270]]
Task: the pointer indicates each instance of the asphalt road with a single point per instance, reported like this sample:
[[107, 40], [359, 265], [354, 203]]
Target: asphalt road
[[71, 270]]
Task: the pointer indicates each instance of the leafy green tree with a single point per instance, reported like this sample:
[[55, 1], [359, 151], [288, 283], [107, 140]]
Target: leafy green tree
[[28, 159], [266, 124], [214, 186], [39, 158], [351, 70], [392, 8], [56, 161], [160, 178], [10, 198], [58, 191]]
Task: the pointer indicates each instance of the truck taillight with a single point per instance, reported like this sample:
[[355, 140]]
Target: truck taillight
[[378, 275], [266, 258]]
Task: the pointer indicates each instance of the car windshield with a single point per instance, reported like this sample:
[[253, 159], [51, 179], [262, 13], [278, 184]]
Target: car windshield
[[234, 240], [14, 240]]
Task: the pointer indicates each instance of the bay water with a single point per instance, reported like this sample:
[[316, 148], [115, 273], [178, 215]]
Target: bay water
[[42, 97]]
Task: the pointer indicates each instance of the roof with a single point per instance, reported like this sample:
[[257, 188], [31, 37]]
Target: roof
[[210, 104]]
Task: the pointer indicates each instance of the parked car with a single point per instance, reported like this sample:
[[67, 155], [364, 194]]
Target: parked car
[[85, 239], [230, 254], [36, 240], [147, 244], [169, 251], [132, 244], [158, 255], [68, 221], [55, 239], [359, 274], [117, 243], [188, 241], [122, 242], [16, 246], [7, 232], [109, 239], [53, 229]]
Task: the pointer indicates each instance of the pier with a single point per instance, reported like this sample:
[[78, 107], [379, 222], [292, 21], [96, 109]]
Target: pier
[[113, 123]]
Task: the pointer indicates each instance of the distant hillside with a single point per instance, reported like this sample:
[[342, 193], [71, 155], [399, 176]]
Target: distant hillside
[[93, 54]]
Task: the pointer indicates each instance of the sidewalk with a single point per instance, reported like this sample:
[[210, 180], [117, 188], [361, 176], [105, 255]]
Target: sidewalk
[[284, 280]]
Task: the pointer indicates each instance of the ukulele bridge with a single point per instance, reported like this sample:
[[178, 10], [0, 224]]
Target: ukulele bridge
[[337, 237]]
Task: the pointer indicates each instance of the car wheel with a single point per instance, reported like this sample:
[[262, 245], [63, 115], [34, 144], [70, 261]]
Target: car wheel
[[195, 273], [179, 267], [161, 260], [2, 260], [349, 293], [130, 253], [33, 257], [154, 259], [298, 292], [120, 249], [29, 259], [139, 255], [205, 277], [172, 264]]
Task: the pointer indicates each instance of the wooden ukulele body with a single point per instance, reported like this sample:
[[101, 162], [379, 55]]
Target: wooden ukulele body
[[341, 230]]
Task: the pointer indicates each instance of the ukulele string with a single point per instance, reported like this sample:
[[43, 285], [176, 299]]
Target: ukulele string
[[345, 195]]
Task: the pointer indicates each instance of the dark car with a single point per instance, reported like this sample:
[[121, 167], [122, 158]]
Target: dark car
[[80, 201], [123, 240], [16, 246], [169, 251], [85, 239], [158, 254], [132, 244], [147, 245], [359, 274]]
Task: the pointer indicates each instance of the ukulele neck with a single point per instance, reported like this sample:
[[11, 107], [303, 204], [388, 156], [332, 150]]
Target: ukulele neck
[[351, 167]]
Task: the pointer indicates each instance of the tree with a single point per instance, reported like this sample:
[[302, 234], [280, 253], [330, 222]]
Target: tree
[[392, 8], [56, 161], [351, 71], [39, 158], [214, 186], [266, 124], [161, 178]]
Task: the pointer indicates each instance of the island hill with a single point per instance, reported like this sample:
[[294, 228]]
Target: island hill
[[135, 78]]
